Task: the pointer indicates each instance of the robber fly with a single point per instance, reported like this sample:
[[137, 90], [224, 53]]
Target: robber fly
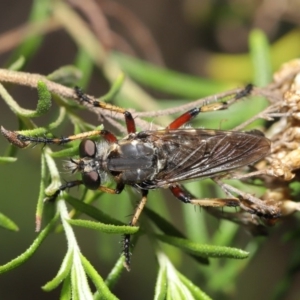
[[164, 158]]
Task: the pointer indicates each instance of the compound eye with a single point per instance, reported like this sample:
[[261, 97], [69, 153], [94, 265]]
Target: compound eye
[[87, 148], [91, 180]]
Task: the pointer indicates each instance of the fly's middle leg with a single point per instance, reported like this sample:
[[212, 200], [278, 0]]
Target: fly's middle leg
[[133, 222]]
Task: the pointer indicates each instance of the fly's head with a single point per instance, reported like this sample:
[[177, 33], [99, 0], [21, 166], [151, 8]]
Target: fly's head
[[89, 164]]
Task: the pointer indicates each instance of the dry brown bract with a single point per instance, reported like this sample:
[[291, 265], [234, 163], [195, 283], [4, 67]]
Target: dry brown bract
[[281, 167], [284, 160]]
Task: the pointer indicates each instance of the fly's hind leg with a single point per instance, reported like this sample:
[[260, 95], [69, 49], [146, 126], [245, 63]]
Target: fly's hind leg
[[192, 113], [269, 210], [183, 195], [133, 222]]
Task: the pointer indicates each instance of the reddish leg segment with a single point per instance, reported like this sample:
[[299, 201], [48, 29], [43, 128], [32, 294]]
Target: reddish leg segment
[[130, 124], [192, 113]]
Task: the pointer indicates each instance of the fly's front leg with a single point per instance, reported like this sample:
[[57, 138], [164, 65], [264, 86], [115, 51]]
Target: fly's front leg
[[108, 136], [63, 187], [183, 195], [130, 124], [192, 113], [119, 188], [96, 103], [133, 222]]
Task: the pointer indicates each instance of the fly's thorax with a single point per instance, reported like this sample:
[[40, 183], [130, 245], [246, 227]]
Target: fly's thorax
[[134, 160]]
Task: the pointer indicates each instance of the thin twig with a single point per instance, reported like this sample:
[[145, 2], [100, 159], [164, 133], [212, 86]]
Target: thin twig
[[265, 114], [196, 103], [11, 39], [97, 20], [136, 28]]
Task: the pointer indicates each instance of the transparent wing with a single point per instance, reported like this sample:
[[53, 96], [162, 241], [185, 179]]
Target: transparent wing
[[195, 153]]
